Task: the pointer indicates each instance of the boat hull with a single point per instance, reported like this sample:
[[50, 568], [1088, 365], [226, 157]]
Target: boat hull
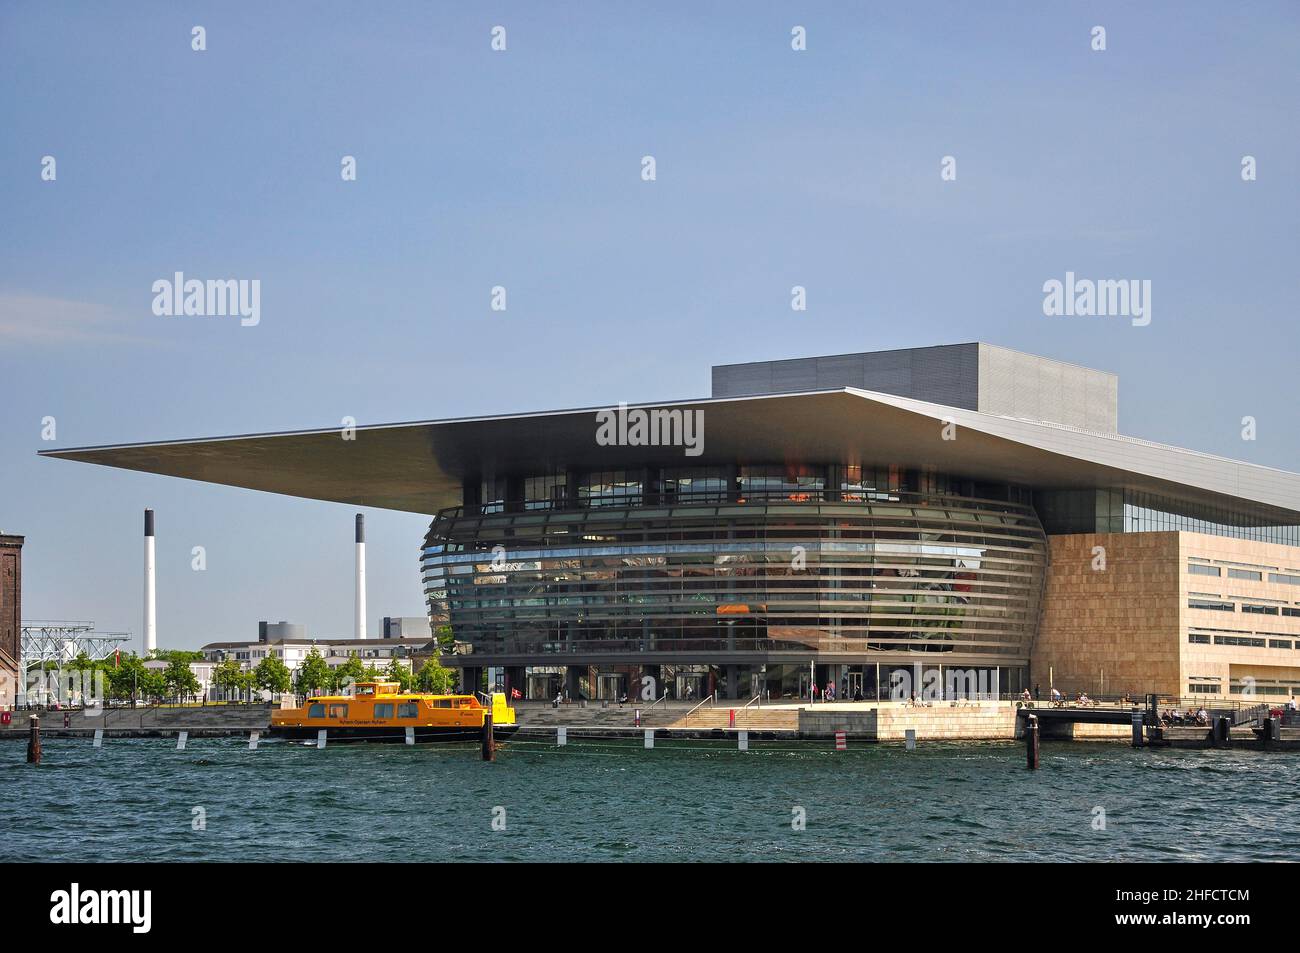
[[424, 734]]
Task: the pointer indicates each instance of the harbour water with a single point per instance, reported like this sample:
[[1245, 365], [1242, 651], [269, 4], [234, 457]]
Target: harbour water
[[615, 801]]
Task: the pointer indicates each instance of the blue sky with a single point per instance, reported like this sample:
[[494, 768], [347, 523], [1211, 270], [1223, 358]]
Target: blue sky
[[478, 168]]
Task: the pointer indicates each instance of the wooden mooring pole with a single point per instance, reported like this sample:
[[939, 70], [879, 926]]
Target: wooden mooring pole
[[34, 740], [489, 743], [1031, 742]]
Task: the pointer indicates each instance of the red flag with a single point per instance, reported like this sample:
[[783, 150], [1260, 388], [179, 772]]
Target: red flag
[[117, 657]]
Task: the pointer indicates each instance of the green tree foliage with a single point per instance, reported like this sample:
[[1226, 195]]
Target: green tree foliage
[[273, 676], [172, 655], [314, 674], [399, 673], [433, 678], [349, 673], [445, 639], [229, 677], [152, 684], [178, 681], [125, 679]]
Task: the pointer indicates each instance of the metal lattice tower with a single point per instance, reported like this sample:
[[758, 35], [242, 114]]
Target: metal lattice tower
[[61, 641]]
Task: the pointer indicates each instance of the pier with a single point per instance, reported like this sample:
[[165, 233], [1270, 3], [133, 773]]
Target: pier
[[1248, 724]]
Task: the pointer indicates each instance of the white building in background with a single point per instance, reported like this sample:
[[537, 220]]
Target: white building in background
[[202, 671], [289, 643]]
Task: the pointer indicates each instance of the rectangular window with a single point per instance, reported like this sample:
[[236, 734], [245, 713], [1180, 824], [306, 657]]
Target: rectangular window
[[1239, 640], [338, 711], [408, 710], [1249, 574], [1283, 578], [1259, 610], [1196, 569], [1215, 606], [1199, 639], [316, 711], [1203, 689], [1279, 643], [383, 709], [1293, 613]]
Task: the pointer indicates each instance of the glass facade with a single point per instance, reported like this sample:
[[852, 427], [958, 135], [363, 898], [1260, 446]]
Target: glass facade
[[747, 560], [1129, 511]]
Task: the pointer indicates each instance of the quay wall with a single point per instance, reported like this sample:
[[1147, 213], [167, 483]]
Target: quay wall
[[984, 721], [144, 721]]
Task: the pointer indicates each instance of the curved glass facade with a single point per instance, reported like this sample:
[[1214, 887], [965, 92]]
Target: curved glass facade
[[777, 569]]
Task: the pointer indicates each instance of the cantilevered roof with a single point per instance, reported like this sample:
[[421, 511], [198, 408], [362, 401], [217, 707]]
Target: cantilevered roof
[[419, 467]]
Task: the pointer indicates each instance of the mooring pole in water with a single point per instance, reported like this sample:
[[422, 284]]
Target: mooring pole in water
[[1273, 729], [1031, 742], [1137, 729], [489, 743], [1222, 731], [34, 740]]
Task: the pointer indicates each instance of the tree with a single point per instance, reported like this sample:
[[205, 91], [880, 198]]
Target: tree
[[399, 673], [179, 681], [349, 673], [172, 655], [434, 678], [314, 674], [152, 685], [272, 675], [446, 641], [126, 680], [229, 677]]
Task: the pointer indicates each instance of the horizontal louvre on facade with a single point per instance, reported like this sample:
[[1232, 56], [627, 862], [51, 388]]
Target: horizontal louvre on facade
[[925, 575]]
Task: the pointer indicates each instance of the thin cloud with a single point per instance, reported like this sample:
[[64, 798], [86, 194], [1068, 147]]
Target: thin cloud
[[41, 320]]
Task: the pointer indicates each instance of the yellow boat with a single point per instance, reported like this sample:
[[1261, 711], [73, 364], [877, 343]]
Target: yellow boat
[[381, 711]]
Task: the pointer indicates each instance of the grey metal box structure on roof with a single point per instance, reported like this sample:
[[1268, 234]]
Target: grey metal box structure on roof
[[975, 376]]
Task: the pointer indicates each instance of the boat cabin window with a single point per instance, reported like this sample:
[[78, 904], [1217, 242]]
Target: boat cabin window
[[316, 711], [440, 703], [383, 709], [408, 710], [338, 711]]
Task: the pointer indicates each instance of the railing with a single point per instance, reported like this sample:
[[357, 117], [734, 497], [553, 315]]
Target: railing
[[926, 651], [663, 697], [757, 698], [735, 496], [686, 719]]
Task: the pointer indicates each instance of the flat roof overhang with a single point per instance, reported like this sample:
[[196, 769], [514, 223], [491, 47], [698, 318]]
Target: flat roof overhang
[[419, 467]]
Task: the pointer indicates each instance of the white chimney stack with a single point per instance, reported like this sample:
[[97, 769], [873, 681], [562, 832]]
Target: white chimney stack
[[150, 608], [361, 577]]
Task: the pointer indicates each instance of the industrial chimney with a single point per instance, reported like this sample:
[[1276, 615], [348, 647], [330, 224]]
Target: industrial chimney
[[361, 577], [150, 608]]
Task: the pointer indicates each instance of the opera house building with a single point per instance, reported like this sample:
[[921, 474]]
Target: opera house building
[[854, 519]]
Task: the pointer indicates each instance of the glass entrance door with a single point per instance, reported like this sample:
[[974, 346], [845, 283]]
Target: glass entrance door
[[610, 686]]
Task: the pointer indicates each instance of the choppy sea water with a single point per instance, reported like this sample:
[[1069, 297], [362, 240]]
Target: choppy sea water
[[687, 800]]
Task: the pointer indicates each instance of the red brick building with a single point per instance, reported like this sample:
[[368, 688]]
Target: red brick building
[[11, 614]]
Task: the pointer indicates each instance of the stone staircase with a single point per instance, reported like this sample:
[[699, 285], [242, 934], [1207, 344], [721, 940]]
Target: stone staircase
[[751, 719], [593, 716]]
